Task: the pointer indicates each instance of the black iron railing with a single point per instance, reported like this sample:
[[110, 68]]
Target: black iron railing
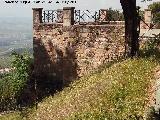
[[86, 16], [80, 16], [53, 16]]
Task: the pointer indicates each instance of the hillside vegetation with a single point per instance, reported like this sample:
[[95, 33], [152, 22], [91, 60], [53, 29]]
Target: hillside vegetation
[[115, 93]]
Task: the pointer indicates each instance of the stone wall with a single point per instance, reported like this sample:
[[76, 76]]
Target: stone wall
[[66, 51]]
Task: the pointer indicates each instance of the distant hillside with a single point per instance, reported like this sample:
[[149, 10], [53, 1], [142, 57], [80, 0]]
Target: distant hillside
[[5, 56], [15, 35], [19, 50]]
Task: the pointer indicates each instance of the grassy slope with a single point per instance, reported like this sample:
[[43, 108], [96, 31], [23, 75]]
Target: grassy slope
[[118, 92], [11, 116], [114, 93]]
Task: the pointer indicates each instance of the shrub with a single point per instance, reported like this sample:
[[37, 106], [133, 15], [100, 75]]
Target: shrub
[[13, 83], [20, 75], [151, 47]]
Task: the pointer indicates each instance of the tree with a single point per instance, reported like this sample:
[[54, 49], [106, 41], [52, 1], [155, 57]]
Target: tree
[[115, 15], [155, 7], [132, 22]]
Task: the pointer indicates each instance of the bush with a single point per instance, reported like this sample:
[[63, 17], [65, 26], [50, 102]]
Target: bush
[[151, 48], [13, 83], [20, 75]]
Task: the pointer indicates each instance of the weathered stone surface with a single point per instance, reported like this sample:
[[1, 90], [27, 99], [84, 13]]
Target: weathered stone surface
[[66, 51], [73, 51]]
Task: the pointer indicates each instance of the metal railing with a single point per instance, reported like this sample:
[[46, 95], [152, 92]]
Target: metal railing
[[52, 16], [86, 16], [80, 16]]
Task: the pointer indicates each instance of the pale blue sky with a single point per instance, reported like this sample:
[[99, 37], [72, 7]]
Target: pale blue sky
[[22, 10]]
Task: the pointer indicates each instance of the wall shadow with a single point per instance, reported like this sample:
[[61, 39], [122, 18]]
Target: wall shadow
[[54, 68]]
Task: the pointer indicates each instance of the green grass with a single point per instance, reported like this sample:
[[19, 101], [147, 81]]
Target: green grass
[[116, 93]]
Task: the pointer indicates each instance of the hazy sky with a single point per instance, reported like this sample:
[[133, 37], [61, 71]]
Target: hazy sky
[[25, 10]]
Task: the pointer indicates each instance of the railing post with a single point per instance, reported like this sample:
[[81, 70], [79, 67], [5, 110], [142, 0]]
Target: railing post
[[60, 16], [37, 15], [68, 16]]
